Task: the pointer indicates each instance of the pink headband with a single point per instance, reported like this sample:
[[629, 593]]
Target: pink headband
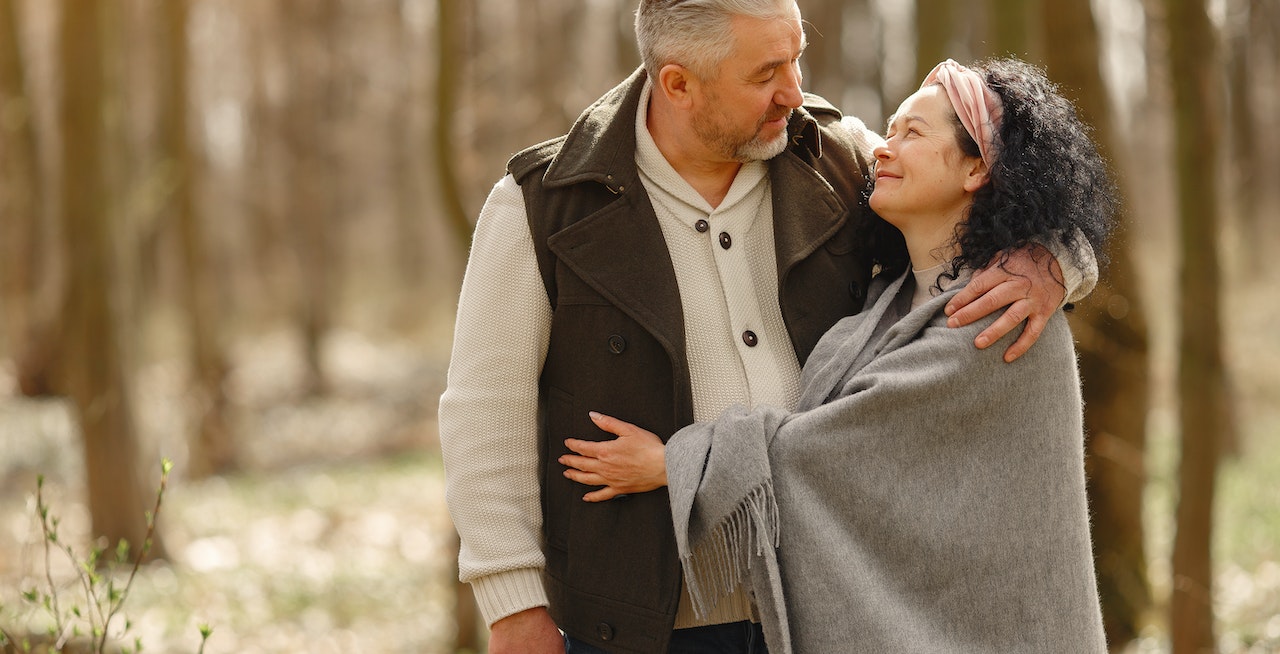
[[978, 107]]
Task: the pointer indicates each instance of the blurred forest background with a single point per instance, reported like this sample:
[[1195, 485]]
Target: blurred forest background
[[232, 234]]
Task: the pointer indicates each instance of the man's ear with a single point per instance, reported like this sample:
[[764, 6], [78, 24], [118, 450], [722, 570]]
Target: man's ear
[[977, 177], [677, 84]]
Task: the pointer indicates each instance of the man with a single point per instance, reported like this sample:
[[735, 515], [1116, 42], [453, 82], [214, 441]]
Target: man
[[682, 249]]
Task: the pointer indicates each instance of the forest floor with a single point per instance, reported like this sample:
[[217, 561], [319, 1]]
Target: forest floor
[[334, 536]]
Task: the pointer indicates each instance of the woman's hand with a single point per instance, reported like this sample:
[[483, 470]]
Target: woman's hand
[[1029, 284], [634, 462]]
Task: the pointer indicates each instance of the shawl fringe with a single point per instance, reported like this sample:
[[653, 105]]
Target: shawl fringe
[[716, 565]]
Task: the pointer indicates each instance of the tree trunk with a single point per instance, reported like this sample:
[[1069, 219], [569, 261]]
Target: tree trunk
[[1201, 374], [313, 182], [1111, 329], [30, 299], [1010, 24], [402, 135], [17, 196], [449, 22], [1243, 25], [934, 29], [94, 369], [212, 450], [825, 54], [628, 54]]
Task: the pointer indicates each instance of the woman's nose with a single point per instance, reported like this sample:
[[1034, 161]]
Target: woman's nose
[[881, 152]]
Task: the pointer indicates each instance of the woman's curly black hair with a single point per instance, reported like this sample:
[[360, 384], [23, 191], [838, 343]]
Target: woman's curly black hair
[[1049, 182]]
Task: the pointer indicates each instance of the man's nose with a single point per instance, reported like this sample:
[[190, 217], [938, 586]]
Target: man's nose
[[790, 94]]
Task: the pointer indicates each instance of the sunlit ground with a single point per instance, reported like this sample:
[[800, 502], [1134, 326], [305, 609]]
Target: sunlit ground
[[346, 558], [334, 539]]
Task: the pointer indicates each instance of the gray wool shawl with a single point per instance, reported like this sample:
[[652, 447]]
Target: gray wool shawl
[[924, 496]]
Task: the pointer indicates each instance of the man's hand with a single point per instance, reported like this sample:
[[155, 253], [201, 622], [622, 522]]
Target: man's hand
[[528, 632], [1029, 284], [634, 462]]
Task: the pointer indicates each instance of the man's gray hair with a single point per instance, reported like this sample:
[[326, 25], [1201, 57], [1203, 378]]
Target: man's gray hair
[[695, 33]]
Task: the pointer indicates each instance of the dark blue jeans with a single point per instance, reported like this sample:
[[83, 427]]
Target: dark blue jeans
[[733, 638]]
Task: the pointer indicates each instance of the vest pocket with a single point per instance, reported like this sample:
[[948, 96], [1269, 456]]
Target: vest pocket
[[558, 492]]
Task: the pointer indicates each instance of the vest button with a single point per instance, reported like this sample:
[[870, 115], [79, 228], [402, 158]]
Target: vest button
[[725, 240], [856, 292], [617, 344], [605, 631], [749, 337], [702, 226]]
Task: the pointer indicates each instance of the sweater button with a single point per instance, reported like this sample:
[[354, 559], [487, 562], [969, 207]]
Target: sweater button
[[605, 631], [725, 240], [702, 226], [617, 344], [749, 337]]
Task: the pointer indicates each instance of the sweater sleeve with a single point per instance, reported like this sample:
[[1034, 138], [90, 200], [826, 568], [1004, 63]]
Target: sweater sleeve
[[1079, 281], [488, 412]]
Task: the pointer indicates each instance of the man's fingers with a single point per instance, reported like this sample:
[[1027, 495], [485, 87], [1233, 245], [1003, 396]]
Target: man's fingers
[[976, 288], [1011, 318], [983, 306], [1031, 334]]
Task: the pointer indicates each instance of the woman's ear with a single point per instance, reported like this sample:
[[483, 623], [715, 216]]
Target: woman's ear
[[977, 176], [677, 85]]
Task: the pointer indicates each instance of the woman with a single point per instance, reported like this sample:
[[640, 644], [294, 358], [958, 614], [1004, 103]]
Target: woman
[[913, 508]]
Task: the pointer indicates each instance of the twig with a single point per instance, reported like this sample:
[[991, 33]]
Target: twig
[[165, 466]]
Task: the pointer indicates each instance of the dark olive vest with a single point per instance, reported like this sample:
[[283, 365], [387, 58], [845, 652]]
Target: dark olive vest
[[618, 344]]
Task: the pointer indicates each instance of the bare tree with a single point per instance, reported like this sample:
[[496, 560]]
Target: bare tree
[[313, 180], [1010, 24], [212, 447], [1202, 376], [1245, 26], [93, 368], [825, 55], [449, 21], [934, 30], [1111, 328], [18, 169], [31, 296]]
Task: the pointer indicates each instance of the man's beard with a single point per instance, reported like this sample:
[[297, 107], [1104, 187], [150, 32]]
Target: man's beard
[[738, 147]]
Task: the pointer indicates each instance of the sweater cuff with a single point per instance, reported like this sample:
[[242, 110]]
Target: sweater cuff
[[507, 593]]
